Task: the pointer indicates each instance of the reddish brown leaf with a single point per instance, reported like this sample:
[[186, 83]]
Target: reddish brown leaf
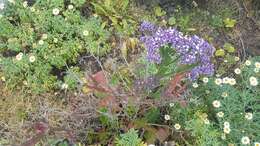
[[162, 134], [176, 88], [41, 129], [98, 82]]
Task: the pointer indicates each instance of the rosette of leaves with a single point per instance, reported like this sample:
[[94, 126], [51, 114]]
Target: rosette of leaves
[[129, 139], [118, 14], [227, 54], [54, 39]]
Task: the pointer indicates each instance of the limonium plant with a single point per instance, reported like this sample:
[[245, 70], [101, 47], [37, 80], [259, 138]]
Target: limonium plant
[[192, 50]]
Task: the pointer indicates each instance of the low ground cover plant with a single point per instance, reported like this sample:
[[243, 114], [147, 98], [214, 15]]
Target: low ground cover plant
[[39, 38], [224, 107]]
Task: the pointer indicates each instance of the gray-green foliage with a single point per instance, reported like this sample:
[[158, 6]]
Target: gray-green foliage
[[236, 102], [129, 139], [205, 134], [55, 40]]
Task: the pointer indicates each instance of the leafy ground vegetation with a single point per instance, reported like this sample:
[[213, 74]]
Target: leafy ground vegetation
[[129, 72]]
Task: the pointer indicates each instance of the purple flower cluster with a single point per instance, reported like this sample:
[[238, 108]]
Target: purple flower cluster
[[192, 49]]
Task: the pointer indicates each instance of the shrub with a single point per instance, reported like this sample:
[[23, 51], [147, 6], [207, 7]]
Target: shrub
[[232, 102], [45, 36]]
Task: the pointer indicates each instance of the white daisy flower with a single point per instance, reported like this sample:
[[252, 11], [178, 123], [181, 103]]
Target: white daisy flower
[[171, 104], [32, 9], [256, 70], [257, 144], [237, 71], [44, 36], [2, 6], [226, 124], [224, 94], [245, 140], [55, 40], [220, 114], [70, 7], [253, 81], [55, 11], [195, 85], [237, 58], [19, 56], [167, 117], [64, 86], [25, 82], [206, 121], [226, 130], [205, 80], [95, 15], [32, 59], [216, 103], [177, 126], [226, 80], [25, 4], [41, 42], [225, 61], [249, 116], [257, 64], [232, 81], [218, 81], [248, 62], [3, 79], [85, 33]]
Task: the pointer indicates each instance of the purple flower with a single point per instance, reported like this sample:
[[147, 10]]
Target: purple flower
[[192, 49], [147, 27]]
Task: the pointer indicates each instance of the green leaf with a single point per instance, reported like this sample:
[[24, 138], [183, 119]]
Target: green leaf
[[159, 12], [184, 68], [229, 47], [128, 139], [114, 20], [220, 52], [99, 9], [124, 4], [78, 3], [230, 22], [172, 21], [152, 116], [107, 3], [216, 21]]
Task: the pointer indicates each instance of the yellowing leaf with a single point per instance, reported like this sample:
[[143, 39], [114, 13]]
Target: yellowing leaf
[[159, 12], [99, 9], [124, 4], [220, 52], [114, 20], [86, 90], [229, 47], [124, 49], [230, 22]]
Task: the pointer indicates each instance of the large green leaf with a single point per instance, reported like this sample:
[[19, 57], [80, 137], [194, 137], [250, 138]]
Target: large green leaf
[[99, 9]]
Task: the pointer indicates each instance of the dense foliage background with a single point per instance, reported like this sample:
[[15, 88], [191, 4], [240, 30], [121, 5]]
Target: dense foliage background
[[129, 72]]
